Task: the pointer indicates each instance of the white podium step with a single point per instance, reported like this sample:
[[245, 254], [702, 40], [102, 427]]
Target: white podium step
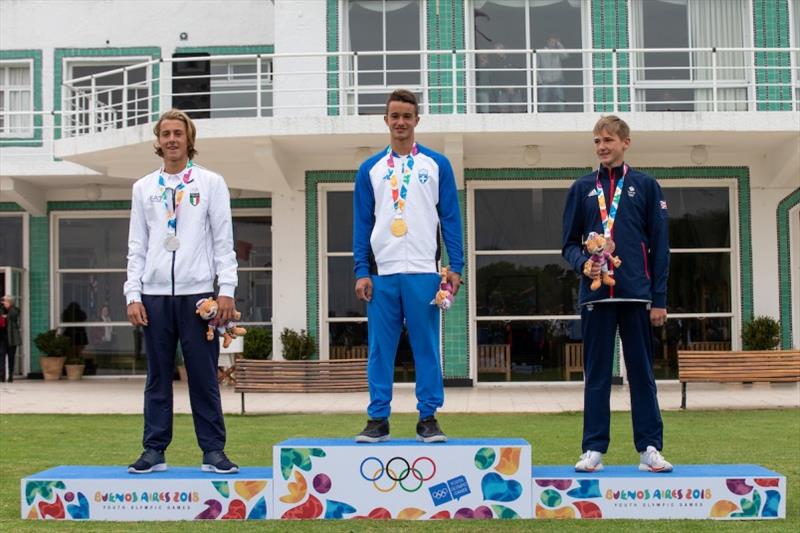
[[180, 493], [461, 478], [729, 492]]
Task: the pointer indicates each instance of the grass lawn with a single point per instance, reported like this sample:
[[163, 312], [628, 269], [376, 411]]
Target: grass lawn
[[31, 443]]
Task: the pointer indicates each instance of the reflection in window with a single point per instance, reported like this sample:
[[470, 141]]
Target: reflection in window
[[691, 24], [504, 219], [93, 242], [252, 241], [501, 75], [384, 26], [233, 88]]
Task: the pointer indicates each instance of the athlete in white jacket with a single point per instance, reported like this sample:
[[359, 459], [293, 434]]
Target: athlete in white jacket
[[180, 240]]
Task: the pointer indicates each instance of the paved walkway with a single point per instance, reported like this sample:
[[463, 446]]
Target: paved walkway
[[125, 396]]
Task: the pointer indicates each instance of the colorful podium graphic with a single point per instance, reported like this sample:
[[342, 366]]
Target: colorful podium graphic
[[111, 493], [335, 479], [403, 479], [731, 492]]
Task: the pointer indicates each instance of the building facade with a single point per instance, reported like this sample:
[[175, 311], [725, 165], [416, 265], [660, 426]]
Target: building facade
[[288, 97]]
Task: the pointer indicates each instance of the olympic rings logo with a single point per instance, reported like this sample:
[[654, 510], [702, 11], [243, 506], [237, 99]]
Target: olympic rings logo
[[391, 469]]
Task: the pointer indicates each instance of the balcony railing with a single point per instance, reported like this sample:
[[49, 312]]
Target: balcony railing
[[446, 82]]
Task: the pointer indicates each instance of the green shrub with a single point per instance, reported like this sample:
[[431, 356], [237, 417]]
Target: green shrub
[[50, 343], [761, 333], [258, 343], [297, 346]]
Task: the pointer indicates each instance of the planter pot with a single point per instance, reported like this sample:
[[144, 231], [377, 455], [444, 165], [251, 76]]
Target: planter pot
[[74, 372], [52, 367]]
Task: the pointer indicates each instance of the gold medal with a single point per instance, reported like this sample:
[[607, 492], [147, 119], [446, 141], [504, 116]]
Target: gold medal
[[399, 227]]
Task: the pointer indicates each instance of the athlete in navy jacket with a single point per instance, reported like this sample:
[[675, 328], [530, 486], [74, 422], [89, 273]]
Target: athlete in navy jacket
[[628, 208], [402, 196]]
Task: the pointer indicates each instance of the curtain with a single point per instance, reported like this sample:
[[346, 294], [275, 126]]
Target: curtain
[[477, 4], [380, 5], [720, 23], [19, 99]]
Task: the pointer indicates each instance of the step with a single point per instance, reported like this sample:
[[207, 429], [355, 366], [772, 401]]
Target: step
[[726, 492], [405, 479], [180, 493]]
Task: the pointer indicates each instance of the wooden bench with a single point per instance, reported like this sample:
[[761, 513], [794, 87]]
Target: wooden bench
[[745, 367], [341, 375], [495, 358], [573, 359]]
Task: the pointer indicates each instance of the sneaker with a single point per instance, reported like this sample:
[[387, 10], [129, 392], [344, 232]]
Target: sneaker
[[652, 461], [376, 430], [590, 462], [428, 430], [218, 463], [150, 461]]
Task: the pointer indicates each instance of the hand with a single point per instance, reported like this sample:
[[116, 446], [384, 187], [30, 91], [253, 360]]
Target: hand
[[227, 309], [591, 269], [137, 315], [658, 316], [364, 289], [454, 278]]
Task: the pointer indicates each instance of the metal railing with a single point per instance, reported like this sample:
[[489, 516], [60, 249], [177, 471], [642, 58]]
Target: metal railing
[[446, 82]]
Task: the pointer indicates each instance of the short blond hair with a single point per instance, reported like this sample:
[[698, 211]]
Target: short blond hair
[[613, 125], [191, 131], [9, 299]]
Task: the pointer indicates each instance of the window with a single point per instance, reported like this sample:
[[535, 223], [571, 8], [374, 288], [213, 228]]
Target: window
[[502, 76], [683, 81], [525, 293], [16, 99], [233, 88], [118, 99], [795, 22], [10, 241], [373, 28], [90, 271]]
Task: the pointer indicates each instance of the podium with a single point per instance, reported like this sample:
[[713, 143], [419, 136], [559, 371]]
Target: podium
[[405, 479], [180, 493], [729, 492]]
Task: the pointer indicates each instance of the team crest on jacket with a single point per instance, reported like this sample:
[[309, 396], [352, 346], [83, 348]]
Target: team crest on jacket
[[194, 198], [423, 175], [631, 191]]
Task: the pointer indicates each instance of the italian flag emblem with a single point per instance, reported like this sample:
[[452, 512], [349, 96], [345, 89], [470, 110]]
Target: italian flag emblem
[[194, 198]]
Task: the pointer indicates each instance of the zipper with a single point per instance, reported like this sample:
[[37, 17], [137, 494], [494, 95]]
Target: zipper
[[644, 255], [175, 251], [611, 191]]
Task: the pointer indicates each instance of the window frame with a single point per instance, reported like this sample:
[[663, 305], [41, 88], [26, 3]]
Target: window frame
[[257, 212], [7, 89]]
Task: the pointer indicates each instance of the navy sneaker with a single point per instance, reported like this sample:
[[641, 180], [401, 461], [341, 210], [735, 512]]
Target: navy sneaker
[[428, 430], [377, 430], [218, 463], [150, 461]]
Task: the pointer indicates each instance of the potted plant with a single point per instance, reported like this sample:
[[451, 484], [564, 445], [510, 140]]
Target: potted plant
[[74, 365], [761, 333], [54, 348], [297, 346], [258, 344]]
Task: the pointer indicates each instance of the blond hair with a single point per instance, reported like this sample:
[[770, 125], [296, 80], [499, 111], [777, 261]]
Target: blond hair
[[191, 131], [614, 125]]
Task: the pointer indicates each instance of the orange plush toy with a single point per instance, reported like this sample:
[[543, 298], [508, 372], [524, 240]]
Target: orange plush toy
[[601, 251], [207, 308]]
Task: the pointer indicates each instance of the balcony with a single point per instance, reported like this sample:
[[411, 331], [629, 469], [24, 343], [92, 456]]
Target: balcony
[[284, 113]]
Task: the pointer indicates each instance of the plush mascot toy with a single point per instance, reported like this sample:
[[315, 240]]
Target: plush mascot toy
[[444, 296], [207, 308], [601, 251]]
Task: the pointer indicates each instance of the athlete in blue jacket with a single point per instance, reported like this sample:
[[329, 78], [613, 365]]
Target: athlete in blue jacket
[[402, 197], [628, 208]]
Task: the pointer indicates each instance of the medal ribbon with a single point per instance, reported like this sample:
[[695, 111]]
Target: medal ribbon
[[172, 215], [400, 187], [608, 217]]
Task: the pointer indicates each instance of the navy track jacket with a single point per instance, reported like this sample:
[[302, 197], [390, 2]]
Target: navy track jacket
[[640, 233]]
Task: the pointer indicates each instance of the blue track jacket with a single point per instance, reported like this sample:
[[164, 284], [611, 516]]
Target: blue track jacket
[[640, 233], [432, 200]]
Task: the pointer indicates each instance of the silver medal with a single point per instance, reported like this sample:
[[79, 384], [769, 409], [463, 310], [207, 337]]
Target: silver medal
[[172, 243]]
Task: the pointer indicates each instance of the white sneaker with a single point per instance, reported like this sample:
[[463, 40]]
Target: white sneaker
[[590, 462], [652, 461]]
